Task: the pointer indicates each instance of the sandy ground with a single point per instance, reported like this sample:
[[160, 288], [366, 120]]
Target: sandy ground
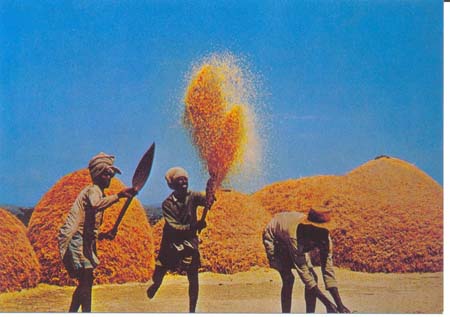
[[256, 291]]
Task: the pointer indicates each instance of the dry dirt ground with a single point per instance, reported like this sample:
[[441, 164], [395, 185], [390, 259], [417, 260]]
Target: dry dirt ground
[[256, 291]]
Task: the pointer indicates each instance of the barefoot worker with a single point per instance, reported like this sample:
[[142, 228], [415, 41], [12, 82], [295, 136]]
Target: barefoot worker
[[288, 238], [179, 244], [77, 237]]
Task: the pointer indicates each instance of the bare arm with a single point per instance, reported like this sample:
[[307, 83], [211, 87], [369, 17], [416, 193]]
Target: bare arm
[[326, 255], [337, 299], [331, 308]]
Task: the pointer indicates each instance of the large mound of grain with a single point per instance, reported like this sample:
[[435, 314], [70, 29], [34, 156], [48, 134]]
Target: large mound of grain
[[389, 215], [19, 266], [129, 257], [232, 241]]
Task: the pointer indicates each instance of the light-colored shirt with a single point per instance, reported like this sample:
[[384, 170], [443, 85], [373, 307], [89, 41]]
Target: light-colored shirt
[[85, 216]]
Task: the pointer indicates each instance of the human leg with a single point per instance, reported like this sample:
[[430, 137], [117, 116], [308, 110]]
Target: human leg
[[280, 260], [82, 295], [287, 279], [310, 298], [75, 304], [87, 280], [193, 288], [157, 278], [310, 295]]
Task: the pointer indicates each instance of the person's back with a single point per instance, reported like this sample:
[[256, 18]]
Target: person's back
[[284, 224]]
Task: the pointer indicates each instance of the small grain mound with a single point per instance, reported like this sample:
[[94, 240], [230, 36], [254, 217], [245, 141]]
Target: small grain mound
[[129, 257], [19, 266], [389, 215]]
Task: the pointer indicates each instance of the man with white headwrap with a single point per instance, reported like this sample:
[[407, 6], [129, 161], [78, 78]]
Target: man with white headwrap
[[179, 244], [77, 237]]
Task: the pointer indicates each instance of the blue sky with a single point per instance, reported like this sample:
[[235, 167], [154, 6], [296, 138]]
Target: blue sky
[[338, 83]]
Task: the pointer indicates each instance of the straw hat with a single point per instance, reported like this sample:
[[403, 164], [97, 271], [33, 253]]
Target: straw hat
[[319, 216]]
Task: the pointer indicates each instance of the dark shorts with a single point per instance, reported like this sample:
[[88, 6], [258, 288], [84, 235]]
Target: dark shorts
[[182, 255], [280, 254], [71, 267]]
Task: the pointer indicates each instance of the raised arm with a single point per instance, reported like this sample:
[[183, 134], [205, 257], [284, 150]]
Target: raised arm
[[98, 202]]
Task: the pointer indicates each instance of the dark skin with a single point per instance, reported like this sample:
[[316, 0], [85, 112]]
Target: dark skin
[[82, 296], [311, 295], [104, 180], [315, 237]]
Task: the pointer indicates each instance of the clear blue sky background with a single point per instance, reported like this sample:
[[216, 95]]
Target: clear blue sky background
[[339, 82]]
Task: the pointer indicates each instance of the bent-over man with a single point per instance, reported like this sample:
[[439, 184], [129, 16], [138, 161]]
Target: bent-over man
[[288, 239]]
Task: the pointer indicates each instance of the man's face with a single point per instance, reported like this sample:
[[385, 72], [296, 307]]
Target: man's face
[[180, 185], [104, 180]]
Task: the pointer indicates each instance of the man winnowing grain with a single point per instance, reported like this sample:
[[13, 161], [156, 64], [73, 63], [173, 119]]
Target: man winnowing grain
[[179, 244], [77, 237]]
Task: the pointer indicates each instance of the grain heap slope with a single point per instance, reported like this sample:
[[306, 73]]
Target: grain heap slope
[[19, 266], [129, 257], [389, 214]]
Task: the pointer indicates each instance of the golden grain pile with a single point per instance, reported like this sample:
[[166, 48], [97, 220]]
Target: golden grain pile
[[19, 266], [129, 257], [232, 240], [389, 215]]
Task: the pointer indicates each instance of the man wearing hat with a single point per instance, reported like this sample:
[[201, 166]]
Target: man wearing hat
[[77, 237], [288, 239], [179, 244]]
